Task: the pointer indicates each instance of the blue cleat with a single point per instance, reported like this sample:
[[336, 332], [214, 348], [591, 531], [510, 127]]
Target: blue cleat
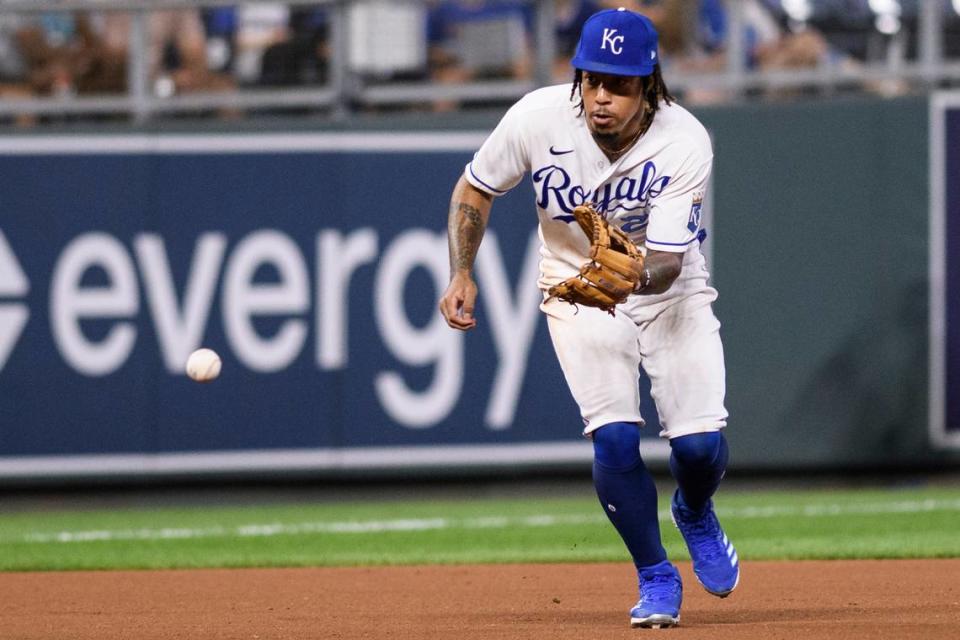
[[715, 561], [661, 593]]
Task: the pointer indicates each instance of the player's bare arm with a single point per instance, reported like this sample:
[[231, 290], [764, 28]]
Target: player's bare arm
[[466, 223], [660, 269]]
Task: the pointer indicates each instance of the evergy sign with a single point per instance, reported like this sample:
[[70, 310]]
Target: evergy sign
[[180, 318], [312, 262]]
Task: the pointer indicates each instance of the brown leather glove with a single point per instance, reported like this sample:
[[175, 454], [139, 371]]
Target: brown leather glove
[[614, 271]]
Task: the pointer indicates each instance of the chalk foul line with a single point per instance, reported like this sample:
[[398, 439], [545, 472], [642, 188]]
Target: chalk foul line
[[488, 522]]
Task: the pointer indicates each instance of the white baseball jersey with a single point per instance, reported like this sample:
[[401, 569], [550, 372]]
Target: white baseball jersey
[[653, 192]]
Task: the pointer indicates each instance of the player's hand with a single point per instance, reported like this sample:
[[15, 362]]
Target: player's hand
[[458, 301]]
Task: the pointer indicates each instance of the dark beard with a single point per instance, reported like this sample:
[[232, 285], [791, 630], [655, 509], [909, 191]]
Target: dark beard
[[616, 142], [609, 140]]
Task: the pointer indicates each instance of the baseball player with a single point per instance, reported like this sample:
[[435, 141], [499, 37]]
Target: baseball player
[[616, 140]]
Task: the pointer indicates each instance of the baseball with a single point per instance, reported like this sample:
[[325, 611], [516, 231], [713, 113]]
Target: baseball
[[203, 365]]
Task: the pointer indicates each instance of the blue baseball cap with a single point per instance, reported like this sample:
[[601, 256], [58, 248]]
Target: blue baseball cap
[[619, 42]]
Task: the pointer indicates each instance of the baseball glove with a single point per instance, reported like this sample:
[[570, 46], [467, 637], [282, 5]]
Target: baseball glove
[[614, 271]]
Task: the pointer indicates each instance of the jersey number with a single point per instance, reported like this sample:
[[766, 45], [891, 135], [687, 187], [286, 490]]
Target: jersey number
[[634, 223]]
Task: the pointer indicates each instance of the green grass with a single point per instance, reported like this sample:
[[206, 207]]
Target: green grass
[[912, 523]]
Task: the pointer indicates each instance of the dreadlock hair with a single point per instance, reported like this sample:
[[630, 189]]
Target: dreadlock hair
[[653, 89]]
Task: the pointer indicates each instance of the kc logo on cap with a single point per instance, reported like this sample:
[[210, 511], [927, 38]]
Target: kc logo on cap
[[618, 42], [610, 37]]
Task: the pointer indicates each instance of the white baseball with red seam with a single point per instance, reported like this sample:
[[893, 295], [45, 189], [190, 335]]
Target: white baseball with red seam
[[203, 365]]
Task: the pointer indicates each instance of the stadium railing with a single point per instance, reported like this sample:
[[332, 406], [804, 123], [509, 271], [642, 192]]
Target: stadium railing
[[344, 92]]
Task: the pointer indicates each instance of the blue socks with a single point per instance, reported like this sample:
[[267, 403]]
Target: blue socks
[[698, 462], [626, 491]]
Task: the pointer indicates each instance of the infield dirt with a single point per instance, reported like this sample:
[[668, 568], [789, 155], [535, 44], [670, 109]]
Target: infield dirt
[[776, 600]]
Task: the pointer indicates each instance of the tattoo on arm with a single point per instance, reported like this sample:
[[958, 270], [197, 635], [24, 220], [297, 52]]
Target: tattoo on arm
[[465, 228]]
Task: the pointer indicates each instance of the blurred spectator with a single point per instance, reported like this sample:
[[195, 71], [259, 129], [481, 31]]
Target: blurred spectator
[[259, 26], [45, 54], [693, 35], [569, 18], [387, 40], [770, 47], [43, 43], [54, 49], [176, 53], [301, 58], [13, 68], [473, 39], [14, 81], [268, 44], [220, 26]]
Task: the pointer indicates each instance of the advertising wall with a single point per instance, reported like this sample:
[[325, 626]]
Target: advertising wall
[[822, 259], [311, 262]]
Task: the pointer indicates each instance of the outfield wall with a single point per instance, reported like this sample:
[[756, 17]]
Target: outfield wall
[[312, 262]]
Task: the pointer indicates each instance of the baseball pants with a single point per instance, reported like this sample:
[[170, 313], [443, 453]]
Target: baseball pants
[[674, 336]]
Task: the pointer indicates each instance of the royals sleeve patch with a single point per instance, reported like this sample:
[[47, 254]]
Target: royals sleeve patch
[[693, 223]]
